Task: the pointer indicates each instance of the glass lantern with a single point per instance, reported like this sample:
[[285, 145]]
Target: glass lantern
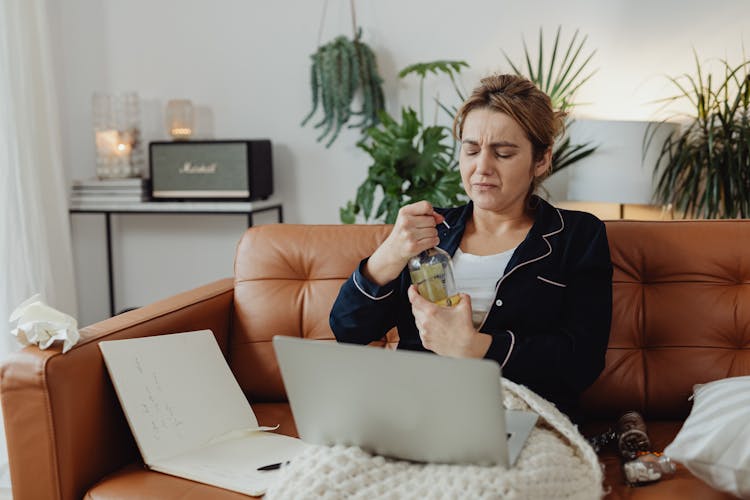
[[117, 133], [180, 119]]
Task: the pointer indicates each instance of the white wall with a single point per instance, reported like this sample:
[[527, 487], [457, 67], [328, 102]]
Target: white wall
[[245, 63]]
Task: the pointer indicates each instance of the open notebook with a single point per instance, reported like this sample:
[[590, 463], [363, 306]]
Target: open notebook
[[188, 414]]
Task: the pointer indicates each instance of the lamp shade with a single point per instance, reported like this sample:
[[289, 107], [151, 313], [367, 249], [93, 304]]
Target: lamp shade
[[618, 171]]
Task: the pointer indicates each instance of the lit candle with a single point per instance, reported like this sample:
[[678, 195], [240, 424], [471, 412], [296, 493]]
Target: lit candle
[[181, 132], [113, 143], [107, 141], [124, 143]]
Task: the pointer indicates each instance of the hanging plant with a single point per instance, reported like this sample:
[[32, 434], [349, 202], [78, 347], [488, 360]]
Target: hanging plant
[[342, 69]]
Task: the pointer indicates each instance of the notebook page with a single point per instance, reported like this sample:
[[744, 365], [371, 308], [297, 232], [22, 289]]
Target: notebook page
[[234, 464], [177, 392]]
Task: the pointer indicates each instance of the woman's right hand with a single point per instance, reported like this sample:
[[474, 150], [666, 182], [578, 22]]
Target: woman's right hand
[[413, 232]]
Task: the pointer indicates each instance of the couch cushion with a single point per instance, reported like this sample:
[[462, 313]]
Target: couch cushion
[[136, 481], [286, 279], [680, 314]]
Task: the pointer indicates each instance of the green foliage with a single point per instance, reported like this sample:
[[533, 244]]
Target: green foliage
[[450, 68], [339, 70], [560, 80], [704, 169], [410, 161]]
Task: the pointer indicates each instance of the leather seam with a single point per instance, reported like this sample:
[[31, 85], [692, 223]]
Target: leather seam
[[161, 314], [249, 280], [55, 462]]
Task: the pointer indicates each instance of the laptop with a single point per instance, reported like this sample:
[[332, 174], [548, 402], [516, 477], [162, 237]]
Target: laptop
[[401, 404]]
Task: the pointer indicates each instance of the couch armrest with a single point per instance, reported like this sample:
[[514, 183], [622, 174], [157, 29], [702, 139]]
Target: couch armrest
[[64, 425]]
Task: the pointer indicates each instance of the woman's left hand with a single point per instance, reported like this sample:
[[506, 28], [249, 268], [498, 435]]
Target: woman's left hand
[[448, 331]]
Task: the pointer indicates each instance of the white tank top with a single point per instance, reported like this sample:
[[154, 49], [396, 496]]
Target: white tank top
[[476, 275]]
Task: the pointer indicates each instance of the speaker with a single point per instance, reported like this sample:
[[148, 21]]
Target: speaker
[[211, 170]]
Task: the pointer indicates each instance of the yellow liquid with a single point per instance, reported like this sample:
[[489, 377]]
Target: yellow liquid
[[450, 301], [430, 284]]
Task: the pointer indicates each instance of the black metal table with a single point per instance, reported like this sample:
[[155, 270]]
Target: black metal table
[[162, 207]]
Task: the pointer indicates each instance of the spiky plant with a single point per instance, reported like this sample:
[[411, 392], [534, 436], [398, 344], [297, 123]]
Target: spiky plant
[[704, 169], [560, 80], [340, 70]]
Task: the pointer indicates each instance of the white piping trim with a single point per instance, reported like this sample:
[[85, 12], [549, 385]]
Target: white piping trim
[[510, 350], [354, 278], [561, 285], [549, 251]]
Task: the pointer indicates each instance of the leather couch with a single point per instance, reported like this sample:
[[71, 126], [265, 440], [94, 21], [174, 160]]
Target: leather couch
[[681, 317]]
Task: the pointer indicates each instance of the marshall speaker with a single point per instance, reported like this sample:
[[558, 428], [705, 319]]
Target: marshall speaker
[[211, 170]]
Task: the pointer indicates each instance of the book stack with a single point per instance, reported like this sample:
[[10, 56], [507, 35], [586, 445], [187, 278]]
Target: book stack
[[96, 193]]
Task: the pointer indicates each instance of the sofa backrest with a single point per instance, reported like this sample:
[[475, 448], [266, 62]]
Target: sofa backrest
[[286, 279], [681, 313]]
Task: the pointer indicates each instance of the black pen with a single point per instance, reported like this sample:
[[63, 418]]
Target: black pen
[[275, 466]]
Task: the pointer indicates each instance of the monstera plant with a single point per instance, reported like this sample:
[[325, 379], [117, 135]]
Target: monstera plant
[[411, 160]]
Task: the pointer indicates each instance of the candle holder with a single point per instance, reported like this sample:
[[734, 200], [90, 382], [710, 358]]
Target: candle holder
[[117, 134], [180, 119]]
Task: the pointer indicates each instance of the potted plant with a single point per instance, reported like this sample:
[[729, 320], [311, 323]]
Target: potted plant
[[560, 80], [411, 161], [704, 168], [341, 70]]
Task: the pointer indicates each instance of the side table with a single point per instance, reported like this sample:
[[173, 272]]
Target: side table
[[169, 207]]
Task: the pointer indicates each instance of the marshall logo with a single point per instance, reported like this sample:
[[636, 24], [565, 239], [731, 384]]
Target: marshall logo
[[189, 168]]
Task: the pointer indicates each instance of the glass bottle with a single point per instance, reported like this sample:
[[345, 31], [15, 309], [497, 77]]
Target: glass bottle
[[432, 273], [648, 468], [632, 437], [641, 465]]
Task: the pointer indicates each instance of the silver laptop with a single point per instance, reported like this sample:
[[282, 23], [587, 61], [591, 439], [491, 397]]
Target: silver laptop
[[407, 405]]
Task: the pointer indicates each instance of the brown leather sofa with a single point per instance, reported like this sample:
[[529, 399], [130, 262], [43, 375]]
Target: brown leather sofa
[[681, 316]]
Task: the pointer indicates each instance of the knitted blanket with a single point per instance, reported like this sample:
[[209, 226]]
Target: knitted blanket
[[556, 462]]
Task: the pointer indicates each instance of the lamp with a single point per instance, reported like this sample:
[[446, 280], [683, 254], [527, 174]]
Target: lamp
[[618, 171]]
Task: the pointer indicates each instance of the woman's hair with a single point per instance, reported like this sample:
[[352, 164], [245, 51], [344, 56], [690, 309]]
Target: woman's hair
[[523, 101]]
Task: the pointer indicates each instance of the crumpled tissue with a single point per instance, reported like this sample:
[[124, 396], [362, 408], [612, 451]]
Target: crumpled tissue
[[38, 323]]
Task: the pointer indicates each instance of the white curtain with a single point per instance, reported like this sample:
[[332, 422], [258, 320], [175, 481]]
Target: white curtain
[[35, 246]]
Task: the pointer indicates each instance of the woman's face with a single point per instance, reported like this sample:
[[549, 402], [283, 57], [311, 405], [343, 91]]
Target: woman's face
[[496, 161]]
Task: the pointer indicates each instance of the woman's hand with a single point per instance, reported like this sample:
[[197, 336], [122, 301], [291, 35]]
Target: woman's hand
[[413, 232], [448, 331]]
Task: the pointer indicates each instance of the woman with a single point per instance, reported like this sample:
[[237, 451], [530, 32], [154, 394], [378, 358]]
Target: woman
[[537, 280]]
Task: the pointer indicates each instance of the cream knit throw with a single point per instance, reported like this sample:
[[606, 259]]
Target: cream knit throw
[[556, 462]]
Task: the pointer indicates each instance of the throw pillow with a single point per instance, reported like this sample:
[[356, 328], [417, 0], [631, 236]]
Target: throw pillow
[[714, 442]]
